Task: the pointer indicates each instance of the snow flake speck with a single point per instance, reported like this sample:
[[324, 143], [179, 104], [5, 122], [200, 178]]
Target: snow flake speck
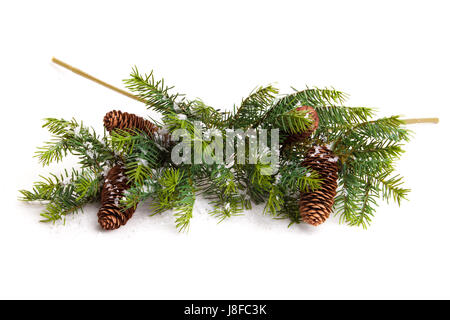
[[76, 131], [142, 162], [335, 159], [176, 107]]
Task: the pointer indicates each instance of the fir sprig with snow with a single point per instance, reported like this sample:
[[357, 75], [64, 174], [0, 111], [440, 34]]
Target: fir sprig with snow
[[364, 150]]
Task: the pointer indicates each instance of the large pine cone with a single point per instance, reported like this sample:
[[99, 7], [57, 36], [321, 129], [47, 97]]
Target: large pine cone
[[127, 121], [297, 137], [110, 215], [316, 206]]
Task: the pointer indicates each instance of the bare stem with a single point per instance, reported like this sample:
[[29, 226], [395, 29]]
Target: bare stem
[[92, 78], [421, 120]]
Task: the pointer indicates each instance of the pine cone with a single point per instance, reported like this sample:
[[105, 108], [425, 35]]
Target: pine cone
[[316, 206], [297, 137], [127, 121], [110, 215]]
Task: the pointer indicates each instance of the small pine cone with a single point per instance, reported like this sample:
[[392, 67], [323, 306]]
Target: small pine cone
[[316, 206], [297, 137], [127, 121], [110, 215]]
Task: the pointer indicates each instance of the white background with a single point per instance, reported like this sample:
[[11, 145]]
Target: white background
[[392, 55]]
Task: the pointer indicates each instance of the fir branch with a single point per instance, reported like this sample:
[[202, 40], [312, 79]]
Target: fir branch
[[373, 158], [207, 114], [220, 186], [184, 206], [223, 178], [294, 121], [275, 201], [52, 151], [390, 187], [166, 191], [253, 107], [356, 200], [389, 128], [124, 141], [88, 185], [140, 164], [332, 116], [154, 92], [140, 192], [140, 152], [60, 126], [74, 138], [290, 209], [319, 97], [296, 178], [312, 97], [367, 207], [227, 206], [66, 193]]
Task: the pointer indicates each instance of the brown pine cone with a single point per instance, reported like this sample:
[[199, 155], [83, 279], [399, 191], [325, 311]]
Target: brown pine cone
[[110, 215], [316, 206], [127, 121], [297, 137]]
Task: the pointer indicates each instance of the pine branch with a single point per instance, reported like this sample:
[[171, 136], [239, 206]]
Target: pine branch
[[275, 201], [184, 206], [372, 158], [66, 193], [253, 107], [355, 201], [140, 152], [381, 129], [319, 97], [332, 116], [88, 185], [311, 97], [74, 138], [166, 190], [140, 164], [221, 187], [290, 209], [390, 187], [52, 151], [154, 92], [207, 115], [294, 121], [296, 178], [227, 206], [367, 209], [140, 192]]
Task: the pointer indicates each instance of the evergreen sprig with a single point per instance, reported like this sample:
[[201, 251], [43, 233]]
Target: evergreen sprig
[[253, 107], [294, 121], [367, 149], [65, 193], [71, 137], [154, 92]]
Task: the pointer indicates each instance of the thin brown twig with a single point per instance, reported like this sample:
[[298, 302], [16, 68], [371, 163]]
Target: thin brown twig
[[96, 80], [421, 120]]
